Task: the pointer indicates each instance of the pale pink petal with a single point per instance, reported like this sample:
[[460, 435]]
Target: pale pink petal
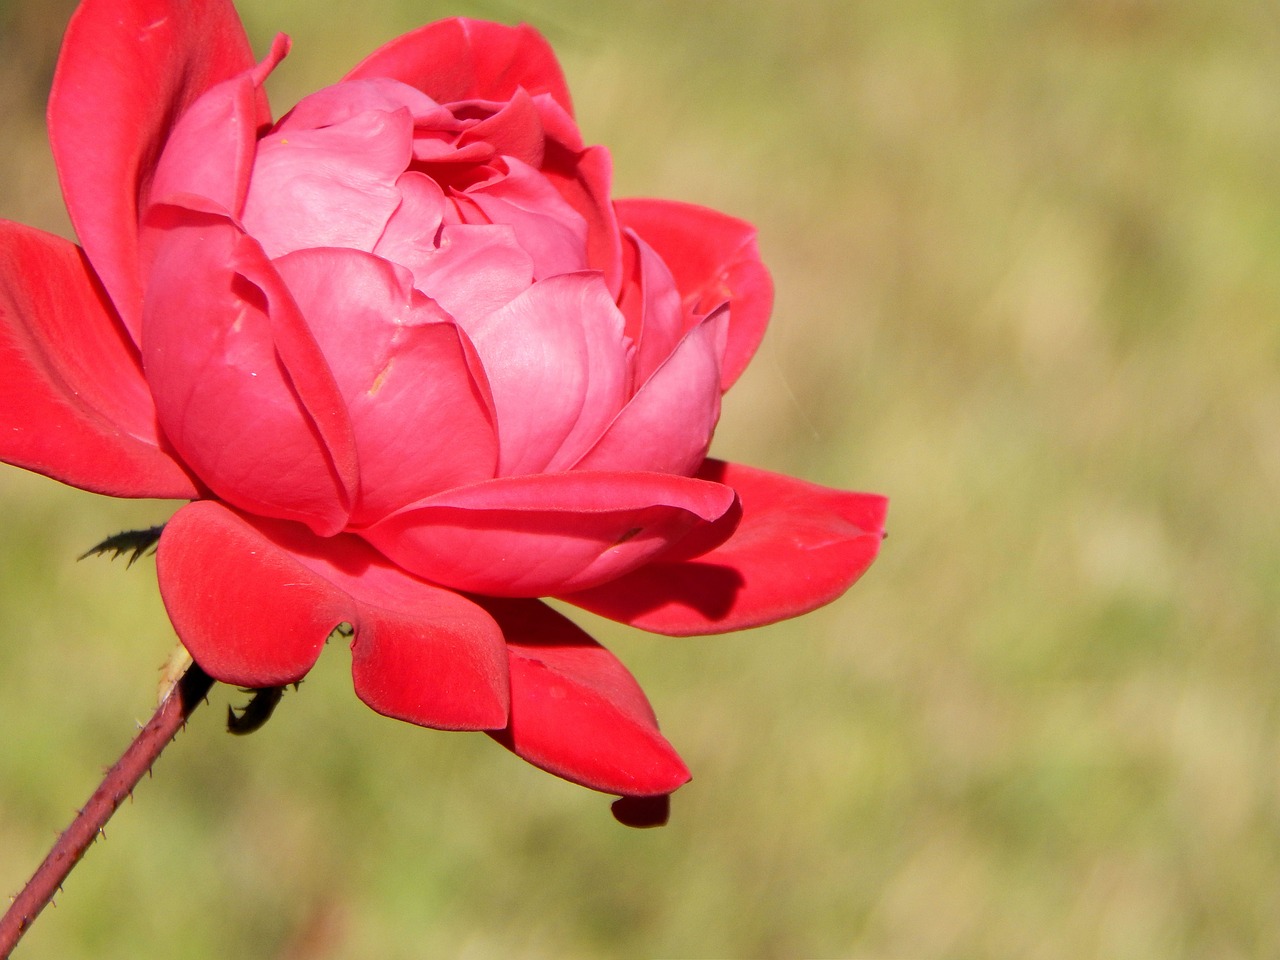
[[73, 403], [253, 601], [474, 271], [421, 421], [128, 70], [552, 232], [414, 228], [547, 533], [469, 270], [799, 546], [241, 388], [345, 101], [333, 187], [667, 426], [576, 711], [556, 363]]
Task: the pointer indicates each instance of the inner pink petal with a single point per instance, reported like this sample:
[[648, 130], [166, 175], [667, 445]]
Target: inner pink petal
[[333, 187], [546, 534], [210, 152], [556, 361], [667, 426], [422, 423], [469, 270], [345, 101], [660, 316], [241, 389], [553, 233]]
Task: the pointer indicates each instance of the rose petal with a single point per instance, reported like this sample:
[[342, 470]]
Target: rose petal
[[667, 426], [552, 232], [241, 388], [210, 151], [556, 363], [412, 231], [73, 403], [421, 421], [128, 70], [462, 59], [558, 124], [650, 301], [254, 599], [714, 259], [584, 178], [576, 711], [798, 547], [469, 270], [345, 101], [474, 271], [513, 129], [547, 533], [332, 187]]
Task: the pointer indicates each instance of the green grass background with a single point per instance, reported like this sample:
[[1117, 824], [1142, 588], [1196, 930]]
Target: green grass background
[[1026, 255]]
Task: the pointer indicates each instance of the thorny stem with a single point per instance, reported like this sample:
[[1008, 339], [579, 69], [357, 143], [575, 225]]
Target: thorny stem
[[119, 782]]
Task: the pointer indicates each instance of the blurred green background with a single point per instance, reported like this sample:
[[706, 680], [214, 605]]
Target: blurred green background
[[1026, 263]]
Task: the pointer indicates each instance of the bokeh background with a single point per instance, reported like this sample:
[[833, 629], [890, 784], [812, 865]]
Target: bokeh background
[[1026, 256]]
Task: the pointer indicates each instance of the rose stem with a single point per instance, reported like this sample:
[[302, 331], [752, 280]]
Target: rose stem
[[119, 782]]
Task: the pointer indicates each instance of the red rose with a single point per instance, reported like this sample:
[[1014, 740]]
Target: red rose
[[415, 369]]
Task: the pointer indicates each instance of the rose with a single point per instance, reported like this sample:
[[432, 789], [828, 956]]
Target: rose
[[415, 370]]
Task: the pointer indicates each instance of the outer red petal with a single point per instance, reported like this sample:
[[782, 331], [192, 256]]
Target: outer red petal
[[462, 59], [547, 534], [128, 71], [253, 600], [73, 403], [798, 547], [576, 711], [714, 259]]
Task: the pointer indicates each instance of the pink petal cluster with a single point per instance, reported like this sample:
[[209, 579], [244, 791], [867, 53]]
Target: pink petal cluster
[[414, 368]]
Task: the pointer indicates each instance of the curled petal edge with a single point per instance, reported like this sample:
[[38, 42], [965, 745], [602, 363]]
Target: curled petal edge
[[545, 534], [798, 547]]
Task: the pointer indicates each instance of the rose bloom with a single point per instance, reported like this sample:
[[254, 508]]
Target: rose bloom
[[414, 369]]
